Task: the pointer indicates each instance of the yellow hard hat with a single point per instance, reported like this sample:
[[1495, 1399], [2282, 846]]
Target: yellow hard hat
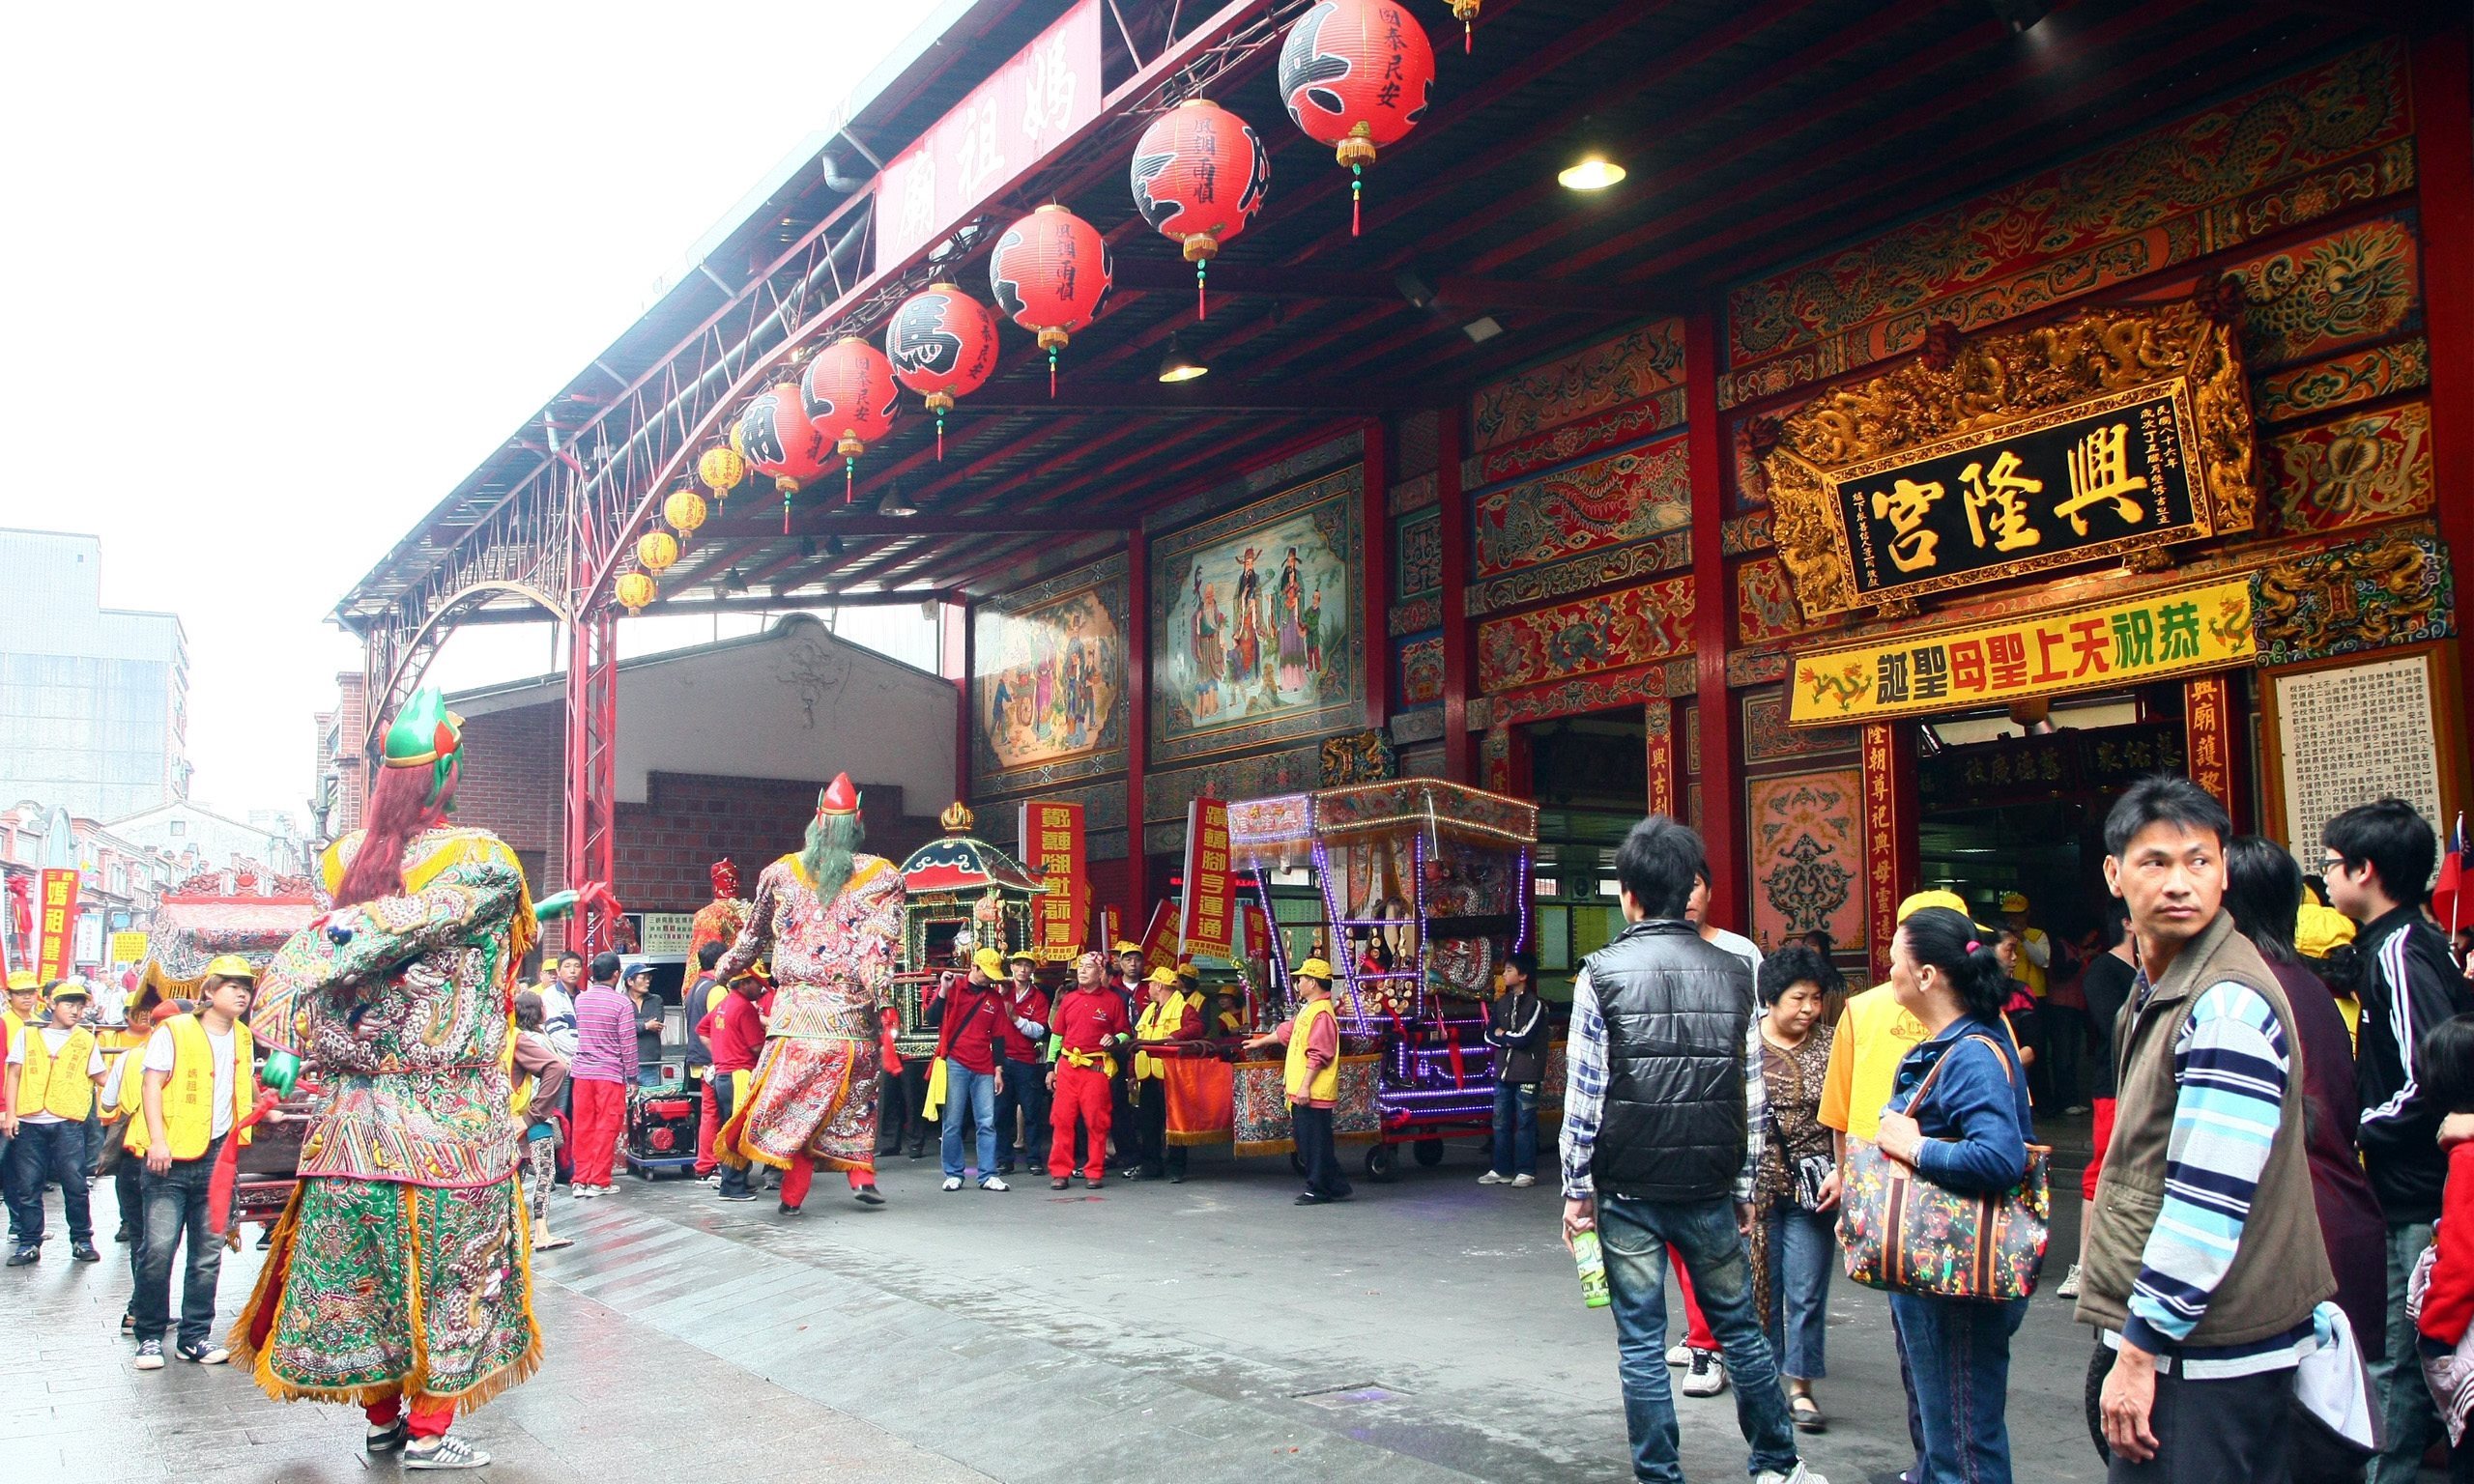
[[1934, 898], [231, 966], [2318, 932], [1164, 976], [1314, 968], [989, 961], [2014, 901]]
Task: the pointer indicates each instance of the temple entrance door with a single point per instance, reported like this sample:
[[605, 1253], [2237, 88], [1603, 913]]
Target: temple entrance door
[[1589, 776]]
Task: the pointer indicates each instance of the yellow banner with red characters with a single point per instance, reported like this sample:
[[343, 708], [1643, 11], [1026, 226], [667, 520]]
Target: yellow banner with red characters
[[2178, 631]]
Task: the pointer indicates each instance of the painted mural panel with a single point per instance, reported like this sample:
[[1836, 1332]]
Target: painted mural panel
[[1254, 629], [1420, 672], [1808, 855], [1048, 680], [1581, 574], [1618, 629], [1628, 368], [1575, 439], [1416, 547], [2373, 466], [2356, 375], [1765, 606], [1767, 738], [2357, 284], [1607, 501]]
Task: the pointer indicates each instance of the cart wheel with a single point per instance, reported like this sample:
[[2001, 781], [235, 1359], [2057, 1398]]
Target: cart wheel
[[1429, 1153], [1296, 1162], [1382, 1164]]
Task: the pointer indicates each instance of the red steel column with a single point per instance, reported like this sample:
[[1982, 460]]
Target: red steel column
[[1721, 777], [1374, 566], [592, 771], [1138, 736], [1459, 748], [956, 647], [2444, 175]]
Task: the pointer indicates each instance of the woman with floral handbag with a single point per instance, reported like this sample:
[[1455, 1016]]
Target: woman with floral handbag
[[1948, 1211]]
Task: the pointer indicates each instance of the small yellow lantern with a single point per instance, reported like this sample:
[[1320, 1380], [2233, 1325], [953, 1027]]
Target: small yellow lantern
[[635, 590], [684, 509], [722, 470], [656, 550]]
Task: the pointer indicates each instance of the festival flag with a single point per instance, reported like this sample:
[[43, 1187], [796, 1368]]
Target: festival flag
[[1160, 938], [55, 935], [1052, 838], [1207, 925], [2446, 896]]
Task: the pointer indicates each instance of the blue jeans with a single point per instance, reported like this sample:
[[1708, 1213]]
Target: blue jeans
[[1636, 1236], [1804, 1246], [977, 1092], [44, 1153], [1515, 1129], [174, 1206], [2407, 1420], [1959, 1351]]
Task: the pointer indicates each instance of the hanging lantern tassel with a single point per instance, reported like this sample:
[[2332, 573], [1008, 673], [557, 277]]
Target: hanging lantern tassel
[[1202, 305], [1357, 151], [789, 488], [941, 403], [1052, 341], [1467, 10]]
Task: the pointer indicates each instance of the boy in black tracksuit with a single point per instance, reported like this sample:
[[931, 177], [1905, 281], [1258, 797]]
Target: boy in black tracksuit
[[2410, 984]]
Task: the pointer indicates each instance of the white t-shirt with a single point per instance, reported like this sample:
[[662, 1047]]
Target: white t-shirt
[[158, 1058], [53, 1038], [1737, 944]]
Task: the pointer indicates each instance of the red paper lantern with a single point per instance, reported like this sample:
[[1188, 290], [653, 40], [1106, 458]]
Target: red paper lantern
[[1355, 75], [943, 344], [1051, 273], [1200, 174], [849, 393], [773, 433]]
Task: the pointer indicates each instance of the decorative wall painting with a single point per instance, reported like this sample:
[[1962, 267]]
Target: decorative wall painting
[[1048, 679]]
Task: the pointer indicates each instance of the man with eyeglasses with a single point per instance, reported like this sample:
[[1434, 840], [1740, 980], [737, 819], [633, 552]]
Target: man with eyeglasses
[[2377, 859]]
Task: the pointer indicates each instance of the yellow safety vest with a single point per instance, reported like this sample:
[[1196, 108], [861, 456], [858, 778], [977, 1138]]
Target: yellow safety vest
[[188, 1095], [1155, 1026], [1304, 1084], [69, 1096], [117, 1045]]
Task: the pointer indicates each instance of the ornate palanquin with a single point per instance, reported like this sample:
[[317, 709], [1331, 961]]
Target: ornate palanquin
[[958, 889], [215, 913]]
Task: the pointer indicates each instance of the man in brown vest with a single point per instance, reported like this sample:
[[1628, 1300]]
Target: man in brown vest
[[2204, 1259]]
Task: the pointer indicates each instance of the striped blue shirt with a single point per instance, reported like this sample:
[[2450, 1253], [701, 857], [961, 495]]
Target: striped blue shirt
[[2230, 1066]]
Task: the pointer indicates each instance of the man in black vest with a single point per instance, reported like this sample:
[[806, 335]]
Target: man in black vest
[[1661, 1130]]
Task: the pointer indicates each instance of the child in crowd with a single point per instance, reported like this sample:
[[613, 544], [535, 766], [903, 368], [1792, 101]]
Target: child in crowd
[[2442, 1291]]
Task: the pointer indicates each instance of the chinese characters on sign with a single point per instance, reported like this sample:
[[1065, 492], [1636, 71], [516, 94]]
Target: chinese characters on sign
[[668, 932], [2092, 479], [2182, 630], [1043, 93], [2352, 735], [1160, 938], [1053, 851], [1207, 926], [55, 925]]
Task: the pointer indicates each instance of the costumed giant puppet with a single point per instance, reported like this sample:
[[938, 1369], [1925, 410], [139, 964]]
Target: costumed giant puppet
[[828, 919], [398, 1276]]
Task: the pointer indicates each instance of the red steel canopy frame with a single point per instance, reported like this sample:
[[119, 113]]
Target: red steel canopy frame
[[1753, 133]]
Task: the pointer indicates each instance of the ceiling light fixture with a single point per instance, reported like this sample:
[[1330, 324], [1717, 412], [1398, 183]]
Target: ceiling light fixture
[[1175, 365], [2022, 16], [732, 582], [1591, 172], [1481, 329], [893, 504]]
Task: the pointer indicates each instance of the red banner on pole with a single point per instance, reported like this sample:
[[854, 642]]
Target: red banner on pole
[[1207, 927], [56, 926], [1160, 939], [1041, 94], [1052, 850]]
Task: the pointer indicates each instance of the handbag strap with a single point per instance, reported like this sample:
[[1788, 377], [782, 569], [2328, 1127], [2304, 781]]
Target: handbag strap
[[1916, 1098]]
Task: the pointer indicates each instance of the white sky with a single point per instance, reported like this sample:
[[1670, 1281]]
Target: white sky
[[276, 276]]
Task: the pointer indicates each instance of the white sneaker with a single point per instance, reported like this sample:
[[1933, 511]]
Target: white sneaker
[[1490, 1178], [713, 1179], [992, 1183], [449, 1452], [2069, 1288], [580, 1192], [951, 1182], [1707, 1376], [1523, 1181], [1802, 1473], [1679, 1354]]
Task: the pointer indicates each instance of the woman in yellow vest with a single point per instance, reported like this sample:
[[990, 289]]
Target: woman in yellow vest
[[199, 1083], [1312, 1037], [53, 1070]]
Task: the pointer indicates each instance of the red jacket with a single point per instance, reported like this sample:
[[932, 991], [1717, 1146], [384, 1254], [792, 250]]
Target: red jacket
[[2448, 1305], [974, 1016], [735, 1034], [1024, 1005]]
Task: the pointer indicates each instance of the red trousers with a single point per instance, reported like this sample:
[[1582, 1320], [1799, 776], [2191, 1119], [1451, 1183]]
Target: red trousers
[[709, 1123], [1696, 1330], [430, 1417], [1081, 1096], [600, 1112], [802, 1173]]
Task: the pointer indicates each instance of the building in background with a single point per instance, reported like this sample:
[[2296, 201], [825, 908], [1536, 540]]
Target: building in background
[[196, 839], [119, 881], [93, 700]]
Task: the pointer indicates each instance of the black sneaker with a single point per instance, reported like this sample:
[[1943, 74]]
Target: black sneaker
[[1310, 1198], [123, 1236], [785, 1209], [150, 1356], [734, 1195], [84, 1252], [867, 1195], [24, 1256], [201, 1355], [388, 1438]]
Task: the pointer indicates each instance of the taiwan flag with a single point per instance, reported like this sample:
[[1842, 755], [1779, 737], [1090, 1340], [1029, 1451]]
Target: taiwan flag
[[2446, 903]]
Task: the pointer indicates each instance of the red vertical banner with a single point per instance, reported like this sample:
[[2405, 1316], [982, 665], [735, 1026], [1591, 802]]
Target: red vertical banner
[[1257, 945], [56, 924], [1160, 939], [1890, 837], [1659, 729], [2207, 703], [1051, 836], [1207, 926]]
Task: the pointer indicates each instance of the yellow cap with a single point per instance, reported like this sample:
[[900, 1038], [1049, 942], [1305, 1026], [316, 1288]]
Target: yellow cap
[[1936, 899], [1164, 976], [1121, 945], [2318, 932], [2014, 901], [231, 966], [22, 980], [1187, 970], [1314, 968], [989, 961]]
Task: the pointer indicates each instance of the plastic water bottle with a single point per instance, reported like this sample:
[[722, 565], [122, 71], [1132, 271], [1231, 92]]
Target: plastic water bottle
[[1592, 1268]]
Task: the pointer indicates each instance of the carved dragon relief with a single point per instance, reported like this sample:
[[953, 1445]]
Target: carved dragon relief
[[1959, 385]]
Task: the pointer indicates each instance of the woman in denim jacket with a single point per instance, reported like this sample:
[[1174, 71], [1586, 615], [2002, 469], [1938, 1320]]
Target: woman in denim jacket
[[1969, 1134]]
